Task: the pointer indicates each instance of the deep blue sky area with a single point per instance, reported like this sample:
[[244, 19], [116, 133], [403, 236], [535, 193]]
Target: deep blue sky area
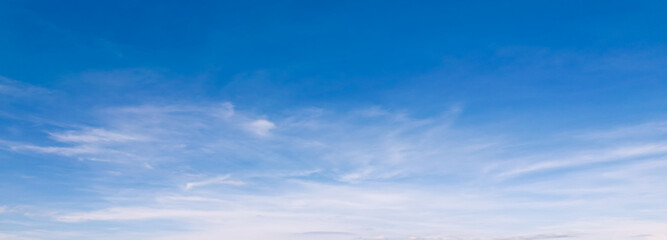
[[333, 119], [401, 53]]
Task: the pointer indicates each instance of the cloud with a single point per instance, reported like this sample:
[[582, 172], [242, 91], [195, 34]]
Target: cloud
[[123, 214], [226, 110], [644, 130], [147, 134], [94, 136], [591, 157], [368, 174], [142, 134], [260, 127], [364, 172], [65, 151], [216, 180], [9, 87], [311, 207]]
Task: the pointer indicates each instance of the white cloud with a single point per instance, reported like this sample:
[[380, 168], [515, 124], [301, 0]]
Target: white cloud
[[65, 151], [94, 136], [124, 214], [260, 127], [217, 180], [590, 157], [368, 174]]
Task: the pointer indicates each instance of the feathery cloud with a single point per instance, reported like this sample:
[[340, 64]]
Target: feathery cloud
[[216, 180]]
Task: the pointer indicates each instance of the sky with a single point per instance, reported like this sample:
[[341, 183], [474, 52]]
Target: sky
[[333, 120]]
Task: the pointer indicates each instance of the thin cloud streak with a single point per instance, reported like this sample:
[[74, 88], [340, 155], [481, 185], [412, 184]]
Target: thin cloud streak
[[606, 155], [216, 180]]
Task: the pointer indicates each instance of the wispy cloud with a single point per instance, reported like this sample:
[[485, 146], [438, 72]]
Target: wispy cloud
[[94, 136], [216, 180], [122, 214], [631, 132], [260, 127], [15, 88], [584, 158], [394, 173], [65, 151]]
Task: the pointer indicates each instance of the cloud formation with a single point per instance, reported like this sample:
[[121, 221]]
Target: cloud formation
[[324, 172], [215, 180], [260, 127]]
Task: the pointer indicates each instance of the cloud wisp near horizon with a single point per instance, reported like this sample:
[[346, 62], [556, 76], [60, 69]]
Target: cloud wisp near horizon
[[366, 120]]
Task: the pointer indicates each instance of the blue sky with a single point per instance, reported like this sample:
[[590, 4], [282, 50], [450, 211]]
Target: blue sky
[[360, 120]]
